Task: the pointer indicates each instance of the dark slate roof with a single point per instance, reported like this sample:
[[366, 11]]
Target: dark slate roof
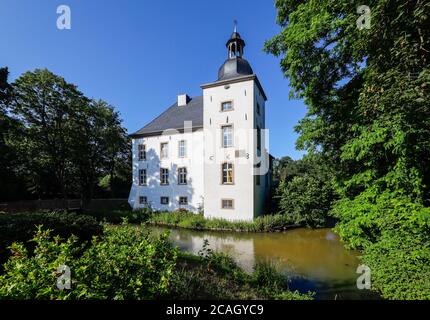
[[174, 117], [233, 68]]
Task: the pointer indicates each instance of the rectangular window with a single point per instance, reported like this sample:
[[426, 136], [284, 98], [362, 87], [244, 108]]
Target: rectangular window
[[258, 138], [143, 200], [164, 176], [227, 204], [182, 175], [227, 136], [142, 177], [182, 149], [226, 106], [183, 201], [142, 152], [164, 150], [164, 200], [258, 108], [227, 173]]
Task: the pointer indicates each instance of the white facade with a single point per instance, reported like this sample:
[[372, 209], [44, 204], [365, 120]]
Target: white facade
[[246, 193], [226, 161], [153, 190]]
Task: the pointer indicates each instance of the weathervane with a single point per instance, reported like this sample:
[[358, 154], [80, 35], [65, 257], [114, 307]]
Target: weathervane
[[235, 25]]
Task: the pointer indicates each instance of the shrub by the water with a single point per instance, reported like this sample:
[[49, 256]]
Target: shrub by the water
[[126, 263], [394, 234], [306, 200], [21, 226], [118, 216]]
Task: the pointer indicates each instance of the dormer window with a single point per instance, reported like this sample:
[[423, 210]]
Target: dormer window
[[227, 106]]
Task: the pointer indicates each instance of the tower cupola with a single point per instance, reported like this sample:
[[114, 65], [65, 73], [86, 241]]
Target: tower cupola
[[235, 65], [235, 44]]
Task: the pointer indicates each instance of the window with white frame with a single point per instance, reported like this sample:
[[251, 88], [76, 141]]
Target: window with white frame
[[182, 149], [227, 204], [142, 152], [227, 173], [183, 201], [164, 200], [142, 177], [143, 200], [227, 106], [182, 175], [164, 176], [227, 136], [164, 150]]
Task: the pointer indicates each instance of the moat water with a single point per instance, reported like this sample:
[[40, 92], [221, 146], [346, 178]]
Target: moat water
[[312, 259]]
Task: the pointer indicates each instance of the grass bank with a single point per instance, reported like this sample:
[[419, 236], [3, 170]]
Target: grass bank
[[188, 220]]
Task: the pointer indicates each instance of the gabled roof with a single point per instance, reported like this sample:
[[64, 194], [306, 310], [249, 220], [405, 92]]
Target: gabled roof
[[174, 117]]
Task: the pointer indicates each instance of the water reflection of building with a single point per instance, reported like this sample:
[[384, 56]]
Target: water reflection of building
[[241, 250]]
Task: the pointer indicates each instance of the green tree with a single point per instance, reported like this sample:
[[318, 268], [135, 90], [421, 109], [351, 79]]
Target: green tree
[[11, 182], [305, 192], [45, 103], [367, 92], [68, 142], [100, 148]]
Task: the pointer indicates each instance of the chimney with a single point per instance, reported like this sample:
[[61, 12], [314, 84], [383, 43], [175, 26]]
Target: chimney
[[183, 99]]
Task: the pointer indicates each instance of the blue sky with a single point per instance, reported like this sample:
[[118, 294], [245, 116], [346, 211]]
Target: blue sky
[[138, 55]]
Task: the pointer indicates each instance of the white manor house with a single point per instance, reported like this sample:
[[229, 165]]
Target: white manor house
[[208, 153]]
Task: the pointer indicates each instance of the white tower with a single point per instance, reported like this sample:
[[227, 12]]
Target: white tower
[[236, 178]]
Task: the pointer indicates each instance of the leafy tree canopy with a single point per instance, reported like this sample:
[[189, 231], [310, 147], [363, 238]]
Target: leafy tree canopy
[[367, 92]]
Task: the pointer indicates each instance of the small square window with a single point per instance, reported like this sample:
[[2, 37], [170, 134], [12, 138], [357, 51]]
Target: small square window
[[227, 203], [183, 201], [143, 200], [227, 106], [164, 200]]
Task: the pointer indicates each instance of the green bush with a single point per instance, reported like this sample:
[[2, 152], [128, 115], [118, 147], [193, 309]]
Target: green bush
[[306, 200], [21, 226], [127, 263], [118, 216], [394, 234]]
